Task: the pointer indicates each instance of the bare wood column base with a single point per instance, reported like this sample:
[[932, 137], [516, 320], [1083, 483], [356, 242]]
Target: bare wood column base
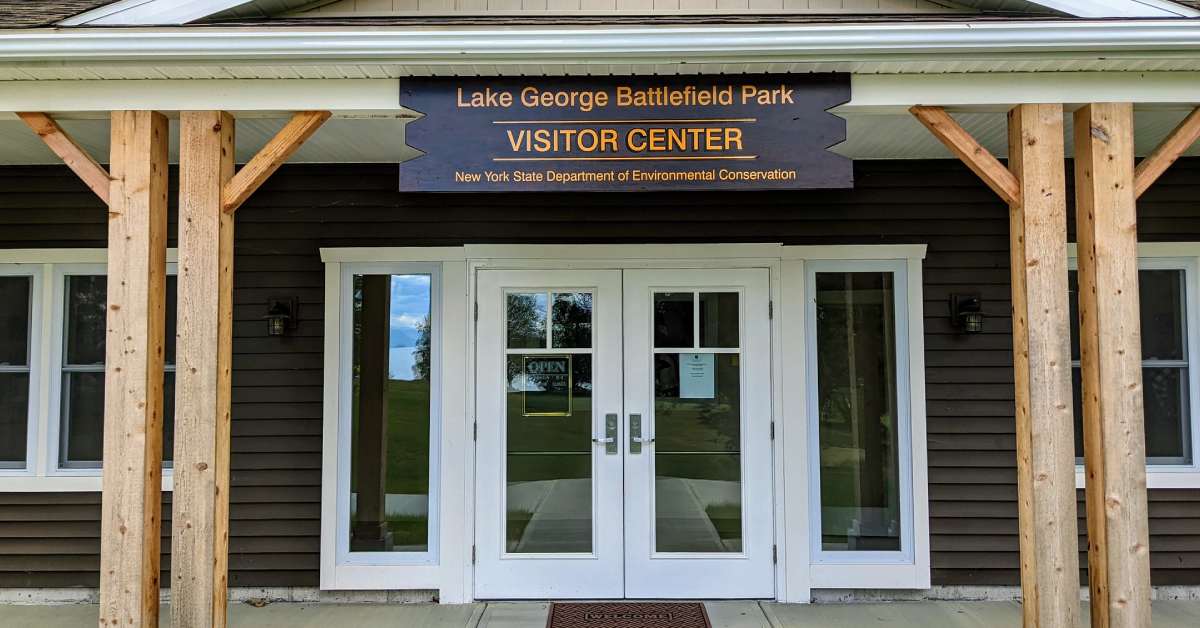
[[1111, 359], [1042, 368], [133, 374], [1034, 186], [209, 193]]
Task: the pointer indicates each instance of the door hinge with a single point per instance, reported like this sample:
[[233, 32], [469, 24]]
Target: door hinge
[[772, 430], [774, 554], [475, 430], [771, 310], [472, 554], [477, 311]]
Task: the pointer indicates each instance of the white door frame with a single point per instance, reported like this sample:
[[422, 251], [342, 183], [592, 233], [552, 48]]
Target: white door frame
[[664, 256]]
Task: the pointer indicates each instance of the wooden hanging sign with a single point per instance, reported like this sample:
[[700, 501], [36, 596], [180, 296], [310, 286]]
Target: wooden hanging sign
[[612, 134]]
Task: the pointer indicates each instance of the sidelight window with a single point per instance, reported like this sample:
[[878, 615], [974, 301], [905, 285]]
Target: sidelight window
[[386, 492], [865, 417]]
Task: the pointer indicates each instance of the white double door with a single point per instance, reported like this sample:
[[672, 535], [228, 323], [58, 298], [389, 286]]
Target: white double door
[[623, 442]]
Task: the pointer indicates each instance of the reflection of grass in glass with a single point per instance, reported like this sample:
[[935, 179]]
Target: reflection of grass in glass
[[408, 437], [408, 530], [515, 524], [727, 519]]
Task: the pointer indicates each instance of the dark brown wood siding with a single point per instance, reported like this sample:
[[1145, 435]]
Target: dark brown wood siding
[[52, 539]]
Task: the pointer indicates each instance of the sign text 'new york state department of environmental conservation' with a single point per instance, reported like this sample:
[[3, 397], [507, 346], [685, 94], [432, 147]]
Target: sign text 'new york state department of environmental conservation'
[[625, 133]]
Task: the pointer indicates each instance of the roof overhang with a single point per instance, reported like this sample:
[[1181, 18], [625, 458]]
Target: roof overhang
[[787, 43], [172, 12], [168, 12]]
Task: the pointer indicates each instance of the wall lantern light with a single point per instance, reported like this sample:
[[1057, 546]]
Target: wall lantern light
[[966, 313], [281, 316]]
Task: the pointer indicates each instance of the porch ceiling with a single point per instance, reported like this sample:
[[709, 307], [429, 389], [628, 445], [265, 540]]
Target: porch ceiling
[[381, 140]]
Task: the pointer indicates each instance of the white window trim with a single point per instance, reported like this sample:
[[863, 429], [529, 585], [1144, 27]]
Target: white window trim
[[909, 568], [1184, 255], [41, 472], [441, 567]]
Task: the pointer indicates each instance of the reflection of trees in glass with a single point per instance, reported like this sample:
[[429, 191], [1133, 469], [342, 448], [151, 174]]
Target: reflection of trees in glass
[[572, 319], [526, 320], [856, 403], [86, 317], [421, 352]]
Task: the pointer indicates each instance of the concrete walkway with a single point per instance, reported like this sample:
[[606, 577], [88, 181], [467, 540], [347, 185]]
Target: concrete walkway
[[1167, 614]]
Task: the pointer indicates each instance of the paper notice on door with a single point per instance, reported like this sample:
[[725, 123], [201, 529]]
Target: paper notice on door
[[697, 375]]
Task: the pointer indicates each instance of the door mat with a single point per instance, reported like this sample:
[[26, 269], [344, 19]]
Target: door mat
[[628, 615]]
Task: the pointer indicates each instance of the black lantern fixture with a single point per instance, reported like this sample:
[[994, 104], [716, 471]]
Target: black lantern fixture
[[281, 316], [966, 313]]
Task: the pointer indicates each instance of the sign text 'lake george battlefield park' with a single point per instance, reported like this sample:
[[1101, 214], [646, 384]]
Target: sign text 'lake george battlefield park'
[[625, 133]]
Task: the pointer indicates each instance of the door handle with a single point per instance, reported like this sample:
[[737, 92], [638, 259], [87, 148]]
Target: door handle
[[610, 435], [635, 434]]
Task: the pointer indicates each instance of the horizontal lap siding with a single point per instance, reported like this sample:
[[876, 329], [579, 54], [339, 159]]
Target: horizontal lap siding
[[52, 540]]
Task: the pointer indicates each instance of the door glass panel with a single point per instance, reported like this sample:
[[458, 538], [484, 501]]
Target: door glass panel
[[527, 320], [572, 322], [673, 319], [697, 424], [548, 501], [390, 418], [697, 459], [856, 380], [718, 319]]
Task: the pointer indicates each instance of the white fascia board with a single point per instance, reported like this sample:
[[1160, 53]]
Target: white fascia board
[[998, 91], [349, 98], [641, 44], [1119, 8], [151, 12]]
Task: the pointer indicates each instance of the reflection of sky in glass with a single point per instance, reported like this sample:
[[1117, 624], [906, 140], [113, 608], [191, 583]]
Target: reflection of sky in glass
[[410, 307]]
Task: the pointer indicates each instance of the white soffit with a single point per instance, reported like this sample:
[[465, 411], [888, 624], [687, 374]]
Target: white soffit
[[344, 140]]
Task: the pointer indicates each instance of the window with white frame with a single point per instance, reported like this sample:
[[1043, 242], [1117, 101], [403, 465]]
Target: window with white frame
[[862, 428], [387, 495], [1167, 280], [52, 392], [865, 417]]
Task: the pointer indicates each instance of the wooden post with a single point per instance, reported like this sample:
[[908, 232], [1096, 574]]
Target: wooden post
[[371, 527], [133, 373], [1034, 186], [1111, 357], [1042, 368], [209, 193], [200, 535]]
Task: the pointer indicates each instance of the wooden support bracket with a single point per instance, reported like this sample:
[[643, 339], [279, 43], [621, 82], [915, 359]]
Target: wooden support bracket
[[1151, 168], [276, 152], [971, 152], [72, 154]]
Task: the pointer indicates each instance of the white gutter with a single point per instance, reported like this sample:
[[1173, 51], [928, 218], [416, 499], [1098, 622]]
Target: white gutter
[[643, 44]]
